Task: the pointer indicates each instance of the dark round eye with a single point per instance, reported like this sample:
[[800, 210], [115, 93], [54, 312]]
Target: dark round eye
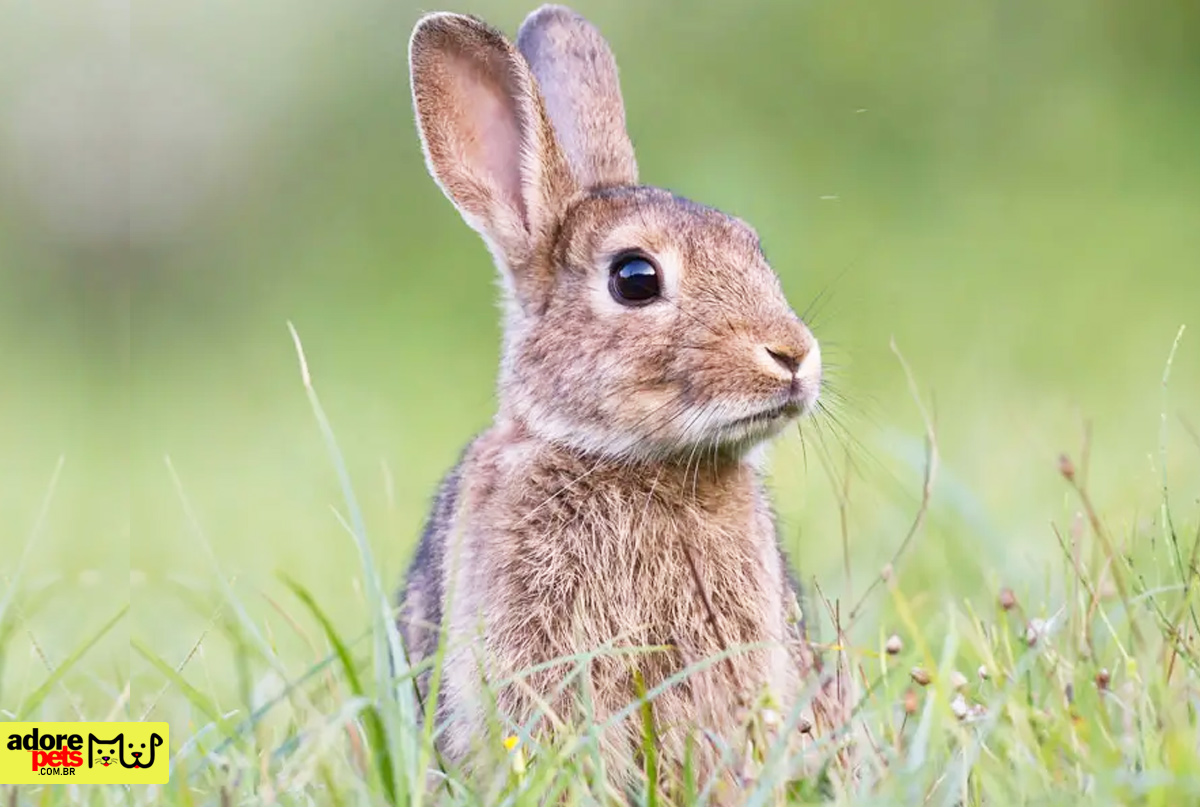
[[634, 280]]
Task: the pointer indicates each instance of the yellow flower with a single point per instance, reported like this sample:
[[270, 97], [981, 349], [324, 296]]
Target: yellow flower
[[518, 754]]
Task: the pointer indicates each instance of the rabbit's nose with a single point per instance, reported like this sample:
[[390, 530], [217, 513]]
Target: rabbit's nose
[[786, 356]]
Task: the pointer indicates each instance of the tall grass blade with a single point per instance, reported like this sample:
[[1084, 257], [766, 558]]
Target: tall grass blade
[[397, 709], [376, 733], [34, 700], [198, 699]]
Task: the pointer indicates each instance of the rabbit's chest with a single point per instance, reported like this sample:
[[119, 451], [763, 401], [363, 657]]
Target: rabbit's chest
[[622, 564], [561, 560]]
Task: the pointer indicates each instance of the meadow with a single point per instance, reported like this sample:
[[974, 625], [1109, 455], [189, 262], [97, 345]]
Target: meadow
[[992, 211]]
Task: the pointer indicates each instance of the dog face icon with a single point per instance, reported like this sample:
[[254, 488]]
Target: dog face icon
[[140, 754]]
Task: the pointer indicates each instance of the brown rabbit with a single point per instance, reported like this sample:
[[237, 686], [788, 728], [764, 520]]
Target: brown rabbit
[[616, 501]]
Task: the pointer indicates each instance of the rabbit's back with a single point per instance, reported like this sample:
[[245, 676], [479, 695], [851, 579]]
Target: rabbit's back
[[422, 595]]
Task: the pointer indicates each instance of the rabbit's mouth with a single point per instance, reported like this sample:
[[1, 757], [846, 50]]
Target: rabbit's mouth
[[785, 411], [747, 431], [763, 424]]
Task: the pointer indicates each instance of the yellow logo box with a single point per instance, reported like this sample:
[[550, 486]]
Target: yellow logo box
[[84, 753]]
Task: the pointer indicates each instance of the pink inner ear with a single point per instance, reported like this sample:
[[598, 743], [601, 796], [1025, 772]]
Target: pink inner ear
[[489, 132]]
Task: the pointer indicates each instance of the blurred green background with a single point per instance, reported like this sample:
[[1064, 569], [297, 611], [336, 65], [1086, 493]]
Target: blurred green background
[[1011, 190]]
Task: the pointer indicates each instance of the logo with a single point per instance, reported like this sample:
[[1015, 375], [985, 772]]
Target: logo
[[84, 753]]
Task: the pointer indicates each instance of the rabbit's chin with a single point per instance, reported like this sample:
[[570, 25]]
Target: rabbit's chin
[[710, 439], [750, 435]]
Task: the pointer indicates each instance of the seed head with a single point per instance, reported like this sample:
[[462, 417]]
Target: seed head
[[894, 645], [920, 676], [1066, 467], [1008, 600]]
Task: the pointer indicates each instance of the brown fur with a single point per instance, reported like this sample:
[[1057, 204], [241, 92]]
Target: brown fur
[[622, 454]]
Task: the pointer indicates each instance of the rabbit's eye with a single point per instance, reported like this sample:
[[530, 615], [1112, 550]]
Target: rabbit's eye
[[634, 280]]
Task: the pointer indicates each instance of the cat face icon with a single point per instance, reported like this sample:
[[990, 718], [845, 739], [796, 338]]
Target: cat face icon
[[104, 754]]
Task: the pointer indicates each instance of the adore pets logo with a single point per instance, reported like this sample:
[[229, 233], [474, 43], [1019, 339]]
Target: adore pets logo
[[113, 753]]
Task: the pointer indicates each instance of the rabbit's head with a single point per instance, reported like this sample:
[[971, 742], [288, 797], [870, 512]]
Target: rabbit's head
[[639, 325]]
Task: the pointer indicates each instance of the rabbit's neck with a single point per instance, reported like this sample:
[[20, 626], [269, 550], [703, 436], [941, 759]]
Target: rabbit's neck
[[542, 494], [712, 479]]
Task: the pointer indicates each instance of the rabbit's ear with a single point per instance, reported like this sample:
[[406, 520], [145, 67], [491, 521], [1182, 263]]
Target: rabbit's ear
[[487, 139], [578, 78]]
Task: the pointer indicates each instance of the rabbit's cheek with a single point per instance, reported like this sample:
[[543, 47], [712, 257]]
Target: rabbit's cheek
[[649, 411]]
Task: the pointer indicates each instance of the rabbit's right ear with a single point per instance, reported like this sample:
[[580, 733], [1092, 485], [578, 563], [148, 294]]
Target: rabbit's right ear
[[488, 141], [578, 77]]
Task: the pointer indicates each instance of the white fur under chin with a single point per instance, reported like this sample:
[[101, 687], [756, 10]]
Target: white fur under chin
[[585, 439], [751, 441]]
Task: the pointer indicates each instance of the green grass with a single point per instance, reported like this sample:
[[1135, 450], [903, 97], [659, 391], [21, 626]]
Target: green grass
[[1079, 688]]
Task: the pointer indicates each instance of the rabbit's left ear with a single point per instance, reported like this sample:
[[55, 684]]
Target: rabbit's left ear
[[577, 75], [489, 143]]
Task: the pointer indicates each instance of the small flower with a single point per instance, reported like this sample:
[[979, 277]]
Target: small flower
[[512, 744], [1102, 679], [910, 701], [959, 706], [958, 680], [894, 645], [982, 672]]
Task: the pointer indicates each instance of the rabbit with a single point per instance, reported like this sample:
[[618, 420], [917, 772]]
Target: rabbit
[[617, 499]]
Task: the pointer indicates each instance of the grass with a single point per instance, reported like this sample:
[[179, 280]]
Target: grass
[[1081, 688]]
